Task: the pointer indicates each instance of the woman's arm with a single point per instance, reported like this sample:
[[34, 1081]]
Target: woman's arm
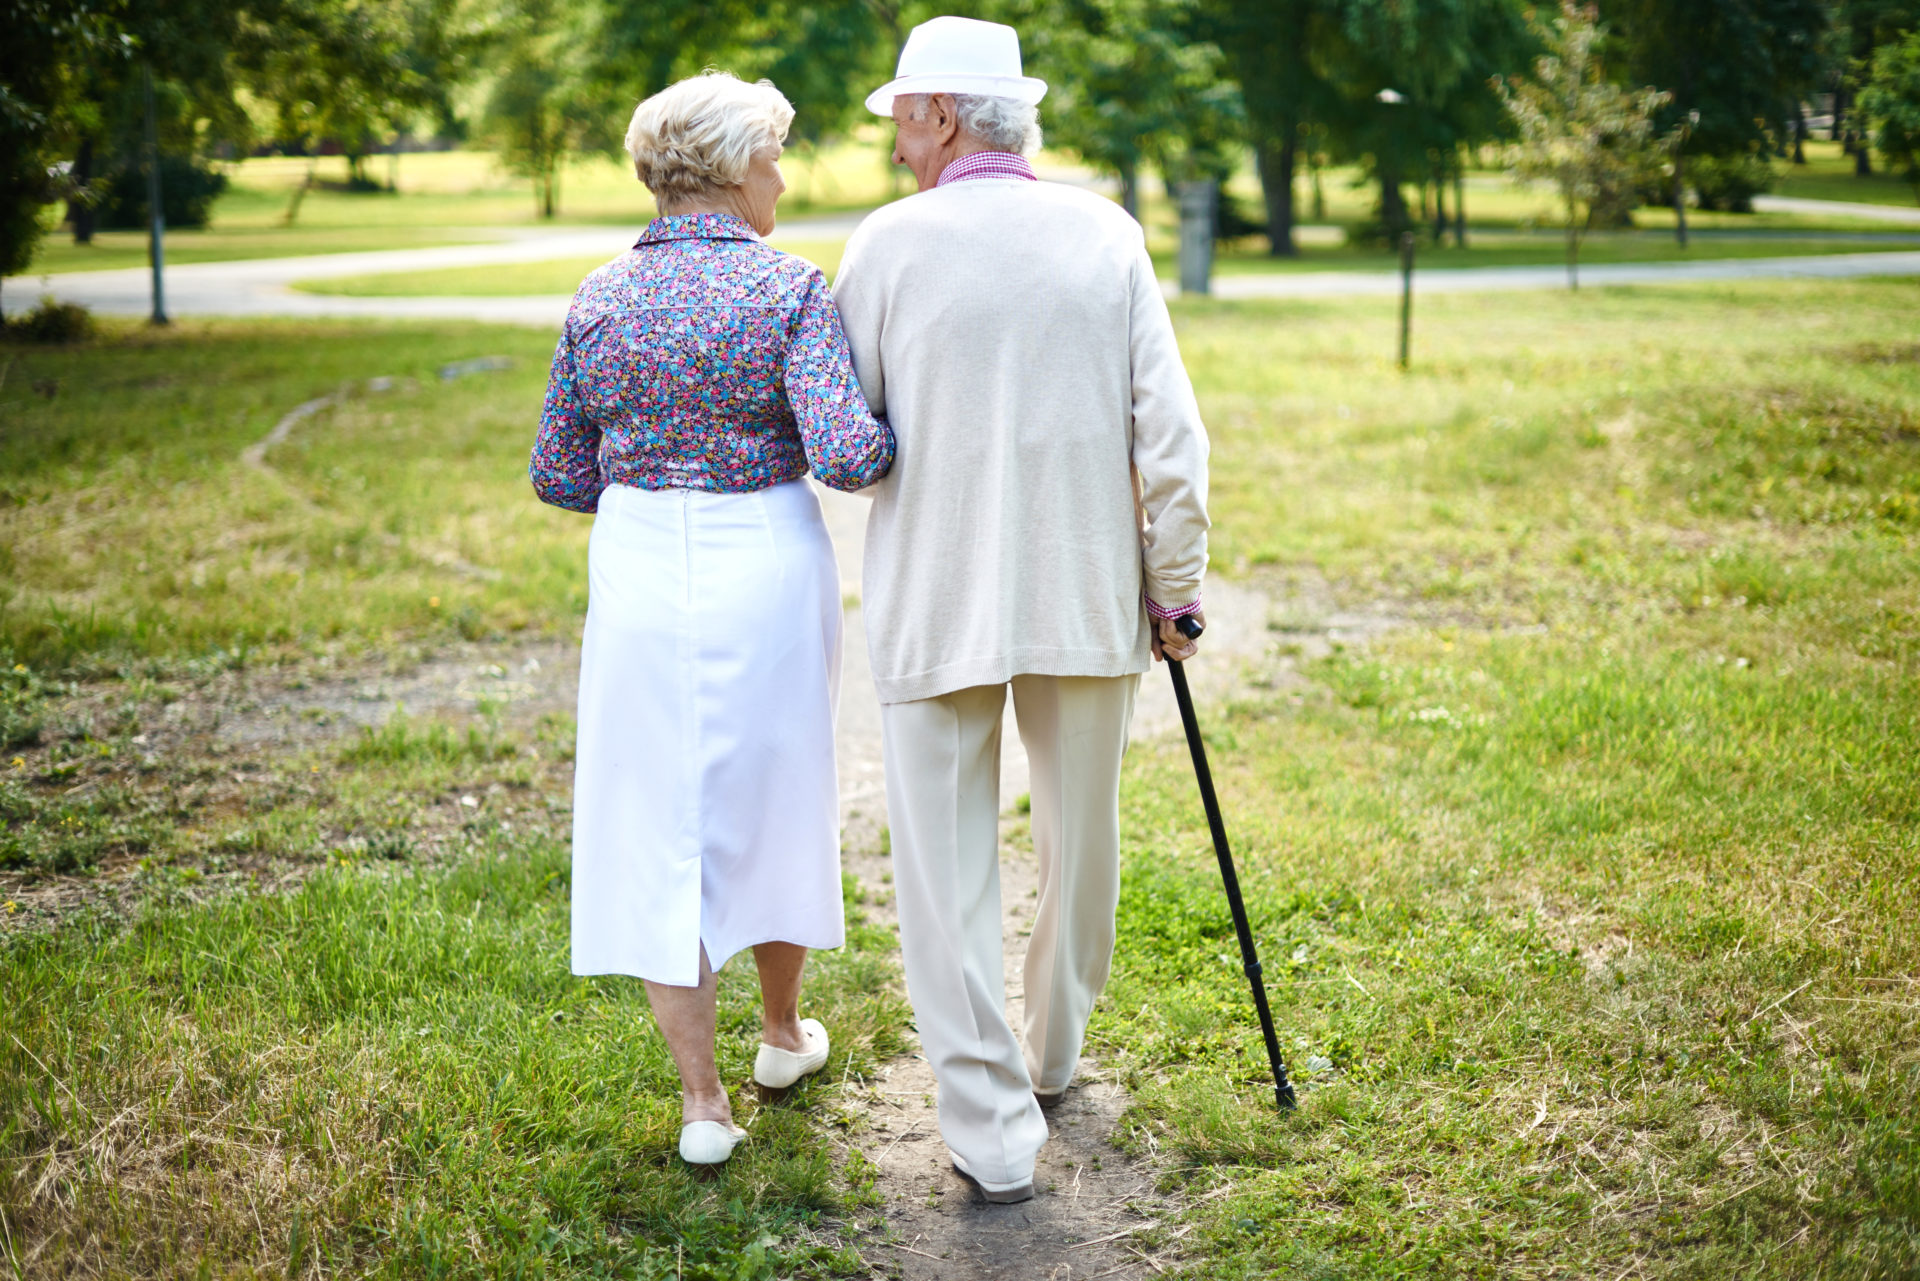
[[847, 447], [565, 468]]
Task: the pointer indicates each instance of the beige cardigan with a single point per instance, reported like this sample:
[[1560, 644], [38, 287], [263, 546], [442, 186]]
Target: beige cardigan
[[1015, 337]]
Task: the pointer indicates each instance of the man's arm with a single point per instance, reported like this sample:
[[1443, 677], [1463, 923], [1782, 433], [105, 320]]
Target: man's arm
[[862, 312], [1169, 454]]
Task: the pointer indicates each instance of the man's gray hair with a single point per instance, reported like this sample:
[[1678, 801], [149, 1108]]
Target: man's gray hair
[[1002, 124]]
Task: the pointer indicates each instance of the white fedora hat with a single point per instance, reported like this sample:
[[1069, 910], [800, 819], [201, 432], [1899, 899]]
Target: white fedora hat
[[959, 55]]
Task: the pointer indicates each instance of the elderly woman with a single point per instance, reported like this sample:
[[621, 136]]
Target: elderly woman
[[699, 378]]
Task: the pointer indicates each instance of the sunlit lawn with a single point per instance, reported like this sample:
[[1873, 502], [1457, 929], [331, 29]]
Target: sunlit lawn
[[1586, 887], [1829, 175], [443, 198], [464, 196]]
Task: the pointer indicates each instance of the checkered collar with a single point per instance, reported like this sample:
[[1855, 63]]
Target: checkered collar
[[988, 164]]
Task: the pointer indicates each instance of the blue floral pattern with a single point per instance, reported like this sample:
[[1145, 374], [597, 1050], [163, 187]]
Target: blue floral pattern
[[703, 358]]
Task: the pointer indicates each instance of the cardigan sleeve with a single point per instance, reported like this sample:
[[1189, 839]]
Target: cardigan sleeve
[[862, 316], [565, 468], [847, 446], [1170, 451]]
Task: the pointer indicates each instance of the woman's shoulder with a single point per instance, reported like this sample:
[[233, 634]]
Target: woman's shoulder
[[695, 273]]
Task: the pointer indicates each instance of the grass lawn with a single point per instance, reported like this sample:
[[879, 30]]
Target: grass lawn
[[1829, 175], [1490, 248], [449, 197], [557, 276], [1587, 890], [1586, 887]]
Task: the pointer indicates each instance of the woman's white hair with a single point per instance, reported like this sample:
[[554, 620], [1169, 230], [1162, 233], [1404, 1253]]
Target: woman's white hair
[[700, 134], [1002, 124]]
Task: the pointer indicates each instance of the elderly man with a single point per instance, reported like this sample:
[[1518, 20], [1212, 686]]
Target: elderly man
[[1014, 335]]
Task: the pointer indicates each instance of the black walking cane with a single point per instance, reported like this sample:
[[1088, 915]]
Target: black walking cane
[[1282, 1088]]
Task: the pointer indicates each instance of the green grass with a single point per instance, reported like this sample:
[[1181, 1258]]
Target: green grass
[[1829, 175], [451, 197], [391, 1073], [1587, 893], [557, 276], [1490, 249], [1586, 887], [130, 525], [465, 196], [1543, 247]]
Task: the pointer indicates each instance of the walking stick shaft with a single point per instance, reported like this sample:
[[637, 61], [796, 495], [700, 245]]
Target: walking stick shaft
[[1282, 1088]]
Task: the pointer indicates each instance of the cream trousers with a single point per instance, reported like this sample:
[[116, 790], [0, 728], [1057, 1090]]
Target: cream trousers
[[943, 808]]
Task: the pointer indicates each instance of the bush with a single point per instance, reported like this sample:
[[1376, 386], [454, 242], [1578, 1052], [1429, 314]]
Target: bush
[[51, 322], [187, 193], [1728, 184]]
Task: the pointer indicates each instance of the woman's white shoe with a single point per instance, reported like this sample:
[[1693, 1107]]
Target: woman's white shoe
[[775, 1070], [708, 1142]]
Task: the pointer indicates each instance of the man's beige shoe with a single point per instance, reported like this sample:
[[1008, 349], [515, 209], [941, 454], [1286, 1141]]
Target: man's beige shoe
[[997, 1194]]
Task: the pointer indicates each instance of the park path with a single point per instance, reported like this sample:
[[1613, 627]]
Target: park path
[[264, 286], [1837, 209]]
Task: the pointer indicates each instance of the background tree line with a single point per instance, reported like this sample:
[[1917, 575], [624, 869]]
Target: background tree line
[[1407, 90]]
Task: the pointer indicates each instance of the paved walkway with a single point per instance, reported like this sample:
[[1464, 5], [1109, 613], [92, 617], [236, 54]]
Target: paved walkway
[[1836, 209], [263, 286]]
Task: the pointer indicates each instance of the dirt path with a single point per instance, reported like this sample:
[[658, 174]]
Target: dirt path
[[1099, 1212]]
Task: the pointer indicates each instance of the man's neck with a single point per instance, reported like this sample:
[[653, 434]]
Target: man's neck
[[963, 145]]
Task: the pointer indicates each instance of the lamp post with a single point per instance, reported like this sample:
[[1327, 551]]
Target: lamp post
[[1394, 98]]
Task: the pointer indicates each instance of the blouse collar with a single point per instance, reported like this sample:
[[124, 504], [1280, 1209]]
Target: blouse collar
[[697, 226]]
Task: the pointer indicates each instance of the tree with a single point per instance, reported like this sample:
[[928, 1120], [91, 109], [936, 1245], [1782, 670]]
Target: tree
[[1269, 46], [1133, 85], [540, 107], [1438, 57], [824, 55], [45, 39], [331, 69], [1891, 101], [1585, 134], [1861, 27], [1733, 69]]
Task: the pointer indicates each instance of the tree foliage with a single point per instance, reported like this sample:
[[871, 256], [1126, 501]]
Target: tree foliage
[[1735, 71], [1590, 137], [46, 42], [1891, 100], [1134, 85]]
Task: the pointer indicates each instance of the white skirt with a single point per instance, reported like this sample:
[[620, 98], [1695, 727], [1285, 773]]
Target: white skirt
[[705, 802]]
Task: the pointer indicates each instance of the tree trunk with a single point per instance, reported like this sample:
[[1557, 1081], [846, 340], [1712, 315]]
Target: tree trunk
[[80, 209], [1460, 207], [1680, 197], [300, 192], [1834, 133], [1799, 133], [1276, 180], [1393, 205], [1863, 158], [1573, 256], [1439, 209], [1130, 191]]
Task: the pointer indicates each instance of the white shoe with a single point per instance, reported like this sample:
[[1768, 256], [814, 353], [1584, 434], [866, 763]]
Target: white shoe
[[708, 1142], [777, 1069]]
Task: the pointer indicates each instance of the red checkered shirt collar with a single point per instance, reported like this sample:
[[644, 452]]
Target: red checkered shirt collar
[[988, 164]]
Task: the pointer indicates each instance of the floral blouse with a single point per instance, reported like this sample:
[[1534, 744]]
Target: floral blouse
[[703, 359]]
